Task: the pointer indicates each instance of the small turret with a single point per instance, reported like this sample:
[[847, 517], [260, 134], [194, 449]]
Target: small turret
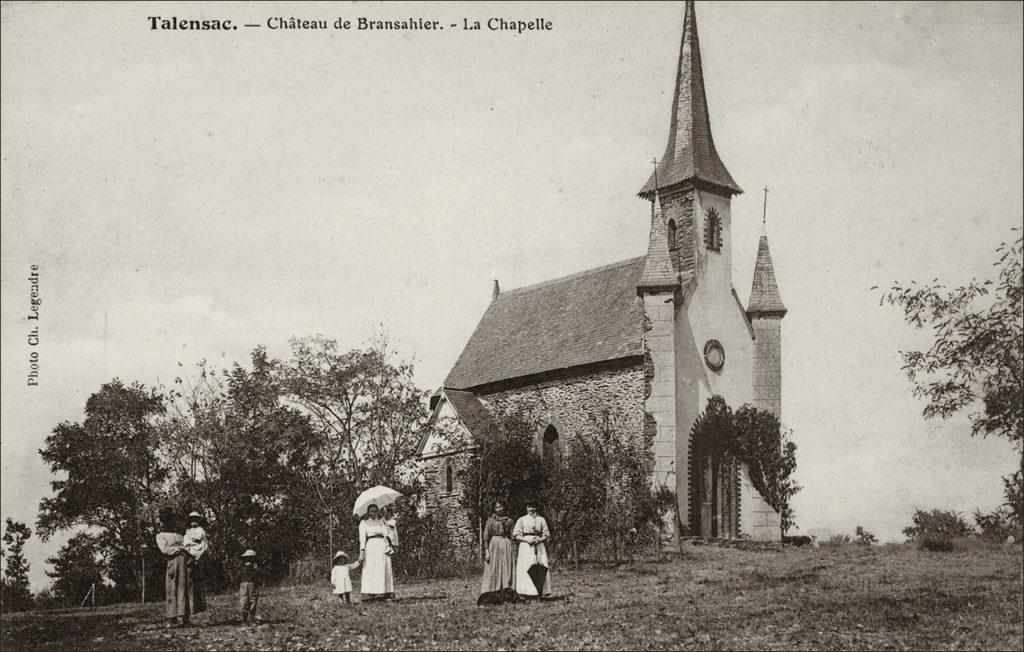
[[766, 311]]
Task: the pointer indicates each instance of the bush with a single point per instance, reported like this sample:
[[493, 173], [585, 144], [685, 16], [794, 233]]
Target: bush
[[837, 540], [937, 542], [938, 522], [864, 538], [997, 525]]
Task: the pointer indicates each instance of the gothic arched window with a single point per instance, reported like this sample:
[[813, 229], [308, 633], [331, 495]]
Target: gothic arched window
[[449, 476], [713, 229], [673, 243]]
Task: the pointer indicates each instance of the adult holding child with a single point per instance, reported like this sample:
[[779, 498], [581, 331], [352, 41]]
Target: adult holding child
[[531, 531], [179, 597]]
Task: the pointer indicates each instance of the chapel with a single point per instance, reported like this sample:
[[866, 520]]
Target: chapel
[[651, 337]]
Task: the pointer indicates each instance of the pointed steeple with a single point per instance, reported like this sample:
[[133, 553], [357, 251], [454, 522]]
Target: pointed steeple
[[764, 292], [690, 155], [659, 272]]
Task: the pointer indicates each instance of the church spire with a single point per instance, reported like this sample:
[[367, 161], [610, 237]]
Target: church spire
[[764, 292], [690, 155]]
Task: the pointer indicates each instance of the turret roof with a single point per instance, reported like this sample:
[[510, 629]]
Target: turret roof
[[764, 291]]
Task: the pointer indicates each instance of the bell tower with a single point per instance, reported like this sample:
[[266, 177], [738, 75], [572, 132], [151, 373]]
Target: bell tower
[[690, 245]]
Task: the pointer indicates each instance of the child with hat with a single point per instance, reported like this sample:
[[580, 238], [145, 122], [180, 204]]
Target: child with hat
[[340, 576], [195, 543], [249, 587]]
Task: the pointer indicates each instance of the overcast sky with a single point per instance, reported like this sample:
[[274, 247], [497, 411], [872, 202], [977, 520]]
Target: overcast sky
[[193, 195]]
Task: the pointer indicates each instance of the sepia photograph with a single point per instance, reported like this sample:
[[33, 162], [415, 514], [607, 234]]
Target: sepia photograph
[[512, 325]]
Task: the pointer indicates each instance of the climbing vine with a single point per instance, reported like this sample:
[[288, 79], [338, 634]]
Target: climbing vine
[[756, 438]]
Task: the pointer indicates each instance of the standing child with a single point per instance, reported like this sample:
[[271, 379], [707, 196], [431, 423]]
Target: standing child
[[340, 576], [249, 588]]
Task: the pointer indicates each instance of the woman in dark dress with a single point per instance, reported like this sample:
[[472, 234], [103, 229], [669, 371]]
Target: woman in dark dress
[[497, 584]]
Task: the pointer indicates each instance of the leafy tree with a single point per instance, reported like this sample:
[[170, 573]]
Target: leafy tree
[[863, 537], [366, 413], [502, 464], [77, 567], [255, 453], [602, 490], [976, 360], [113, 478], [16, 593]]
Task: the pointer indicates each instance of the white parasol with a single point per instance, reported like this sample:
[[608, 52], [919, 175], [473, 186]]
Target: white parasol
[[380, 496]]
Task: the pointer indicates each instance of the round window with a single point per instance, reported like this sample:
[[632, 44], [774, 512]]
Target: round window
[[714, 355]]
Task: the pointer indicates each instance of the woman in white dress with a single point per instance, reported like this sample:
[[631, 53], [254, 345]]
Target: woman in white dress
[[377, 581], [532, 574]]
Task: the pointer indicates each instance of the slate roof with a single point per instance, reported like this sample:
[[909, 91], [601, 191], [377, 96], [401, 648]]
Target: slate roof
[[469, 408], [592, 316], [658, 269], [764, 291], [690, 154]]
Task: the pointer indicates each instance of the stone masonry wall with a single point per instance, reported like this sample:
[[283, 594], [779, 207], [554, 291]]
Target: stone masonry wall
[[570, 399], [439, 499], [768, 364]]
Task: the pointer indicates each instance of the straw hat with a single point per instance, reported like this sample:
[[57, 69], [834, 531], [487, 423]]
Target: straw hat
[[195, 515], [248, 553], [340, 553]]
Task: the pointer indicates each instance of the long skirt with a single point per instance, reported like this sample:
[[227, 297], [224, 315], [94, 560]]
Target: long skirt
[[377, 578], [499, 572], [181, 597], [530, 556]]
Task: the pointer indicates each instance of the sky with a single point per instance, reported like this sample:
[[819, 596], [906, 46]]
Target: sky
[[191, 195]]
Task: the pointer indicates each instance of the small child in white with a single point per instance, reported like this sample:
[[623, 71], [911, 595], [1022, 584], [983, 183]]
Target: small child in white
[[340, 578], [195, 543]]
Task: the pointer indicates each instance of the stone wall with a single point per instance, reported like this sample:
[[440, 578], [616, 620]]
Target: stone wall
[[768, 364], [439, 499], [758, 520], [568, 399]]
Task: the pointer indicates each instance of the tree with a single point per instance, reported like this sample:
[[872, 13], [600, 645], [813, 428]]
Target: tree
[[77, 568], [501, 464], [113, 478], [366, 414], [255, 452], [16, 593], [976, 360], [602, 487]]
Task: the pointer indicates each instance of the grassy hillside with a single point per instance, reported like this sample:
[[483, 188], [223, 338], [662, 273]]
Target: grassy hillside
[[893, 597]]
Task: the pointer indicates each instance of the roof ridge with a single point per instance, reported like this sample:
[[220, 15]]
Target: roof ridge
[[568, 277]]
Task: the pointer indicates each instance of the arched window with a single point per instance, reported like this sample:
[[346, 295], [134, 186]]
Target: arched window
[[552, 448], [672, 236], [449, 476], [713, 229]]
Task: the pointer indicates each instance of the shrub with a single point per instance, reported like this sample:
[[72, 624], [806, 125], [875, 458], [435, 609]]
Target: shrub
[[997, 525], [938, 521], [937, 542], [837, 540], [864, 538]]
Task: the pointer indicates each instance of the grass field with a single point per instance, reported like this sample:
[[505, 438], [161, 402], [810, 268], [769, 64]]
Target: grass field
[[849, 597]]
